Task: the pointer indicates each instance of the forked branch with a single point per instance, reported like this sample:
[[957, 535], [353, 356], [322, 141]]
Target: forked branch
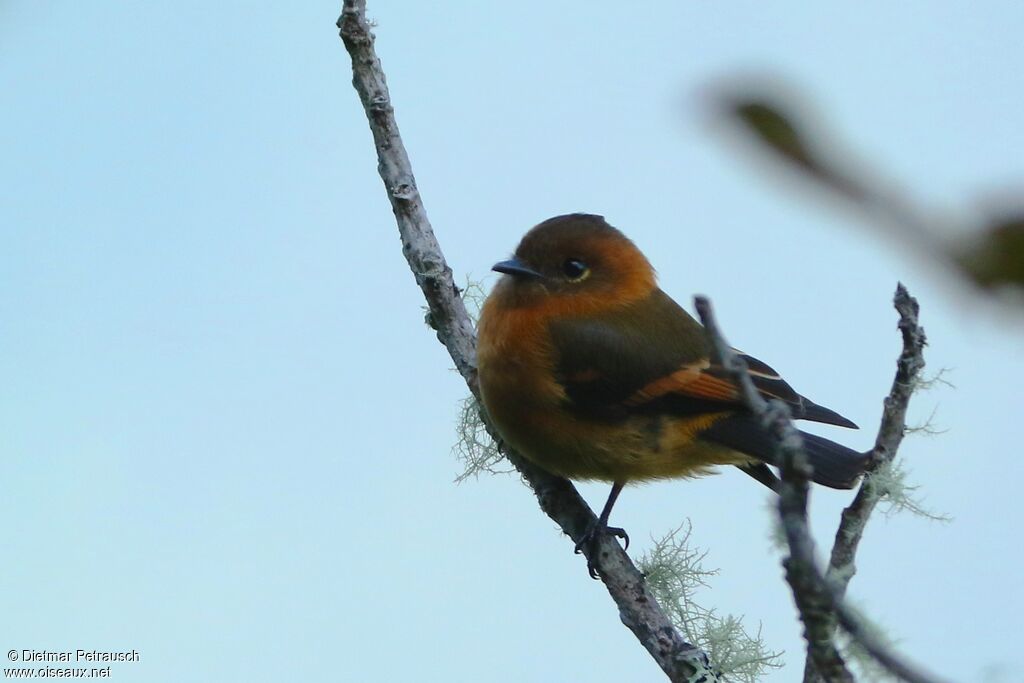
[[820, 603]]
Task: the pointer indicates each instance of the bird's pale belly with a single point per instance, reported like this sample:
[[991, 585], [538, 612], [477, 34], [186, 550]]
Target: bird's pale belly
[[636, 450]]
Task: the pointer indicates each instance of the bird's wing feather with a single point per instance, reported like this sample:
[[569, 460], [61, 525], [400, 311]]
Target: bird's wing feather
[[653, 357]]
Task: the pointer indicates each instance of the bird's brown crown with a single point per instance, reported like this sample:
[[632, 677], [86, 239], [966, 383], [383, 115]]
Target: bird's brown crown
[[579, 264]]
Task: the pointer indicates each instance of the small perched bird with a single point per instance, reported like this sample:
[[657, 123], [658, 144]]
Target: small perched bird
[[590, 371]]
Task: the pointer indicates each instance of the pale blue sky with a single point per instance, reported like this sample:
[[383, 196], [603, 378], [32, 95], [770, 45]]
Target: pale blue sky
[[226, 431]]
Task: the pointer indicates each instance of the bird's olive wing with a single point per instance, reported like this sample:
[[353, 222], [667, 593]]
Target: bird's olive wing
[[771, 385], [633, 358], [653, 357]]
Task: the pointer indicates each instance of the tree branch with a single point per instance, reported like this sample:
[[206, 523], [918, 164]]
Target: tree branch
[[890, 434], [810, 596], [816, 599], [638, 608], [842, 566]]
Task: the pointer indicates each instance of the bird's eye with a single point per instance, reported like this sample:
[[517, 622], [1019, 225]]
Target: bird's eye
[[575, 269]]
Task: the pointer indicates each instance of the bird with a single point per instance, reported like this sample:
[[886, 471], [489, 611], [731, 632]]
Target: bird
[[590, 371]]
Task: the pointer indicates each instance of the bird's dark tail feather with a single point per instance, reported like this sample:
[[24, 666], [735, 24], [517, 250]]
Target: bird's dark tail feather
[[835, 465]]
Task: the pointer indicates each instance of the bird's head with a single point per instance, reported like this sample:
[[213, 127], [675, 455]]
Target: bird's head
[[574, 264]]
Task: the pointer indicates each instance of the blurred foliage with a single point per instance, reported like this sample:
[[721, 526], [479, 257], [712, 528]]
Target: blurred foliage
[[990, 255], [998, 258], [796, 145]]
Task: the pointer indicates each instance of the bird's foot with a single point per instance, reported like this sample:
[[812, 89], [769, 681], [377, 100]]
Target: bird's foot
[[590, 543]]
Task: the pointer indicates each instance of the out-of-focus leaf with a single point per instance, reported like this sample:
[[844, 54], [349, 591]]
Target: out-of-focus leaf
[[996, 257], [992, 259], [777, 127], [776, 130]]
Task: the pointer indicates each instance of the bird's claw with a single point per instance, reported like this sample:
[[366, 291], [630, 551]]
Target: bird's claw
[[592, 538]]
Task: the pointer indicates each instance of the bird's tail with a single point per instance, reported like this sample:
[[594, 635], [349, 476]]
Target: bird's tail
[[835, 465]]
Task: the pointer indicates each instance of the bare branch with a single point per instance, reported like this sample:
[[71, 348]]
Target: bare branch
[[890, 434], [811, 596], [447, 313], [638, 608], [815, 598], [842, 565]]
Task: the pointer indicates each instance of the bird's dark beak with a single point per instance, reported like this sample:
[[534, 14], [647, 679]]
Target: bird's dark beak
[[516, 268]]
